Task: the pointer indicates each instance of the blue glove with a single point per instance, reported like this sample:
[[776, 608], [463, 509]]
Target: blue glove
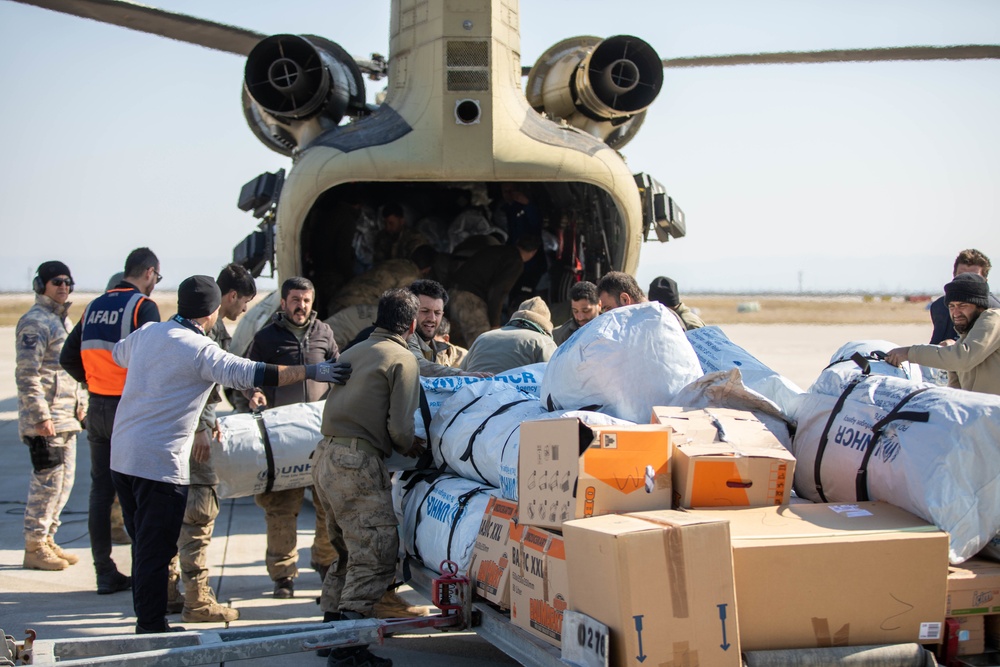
[[334, 372]]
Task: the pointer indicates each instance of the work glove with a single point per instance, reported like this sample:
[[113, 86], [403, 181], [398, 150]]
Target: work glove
[[336, 372]]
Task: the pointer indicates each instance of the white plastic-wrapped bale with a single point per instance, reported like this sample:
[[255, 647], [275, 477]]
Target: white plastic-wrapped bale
[[622, 363], [272, 451], [439, 389], [476, 432], [871, 354], [439, 516], [931, 450], [717, 353]]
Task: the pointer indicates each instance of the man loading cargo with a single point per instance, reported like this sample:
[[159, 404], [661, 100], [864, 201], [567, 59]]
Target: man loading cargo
[[87, 357], [173, 367], [973, 362], [617, 289], [293, 337], [198, 604], [362, 426], [664, 290], [968, 261], [482, 284], [525, 339], [586, 306]]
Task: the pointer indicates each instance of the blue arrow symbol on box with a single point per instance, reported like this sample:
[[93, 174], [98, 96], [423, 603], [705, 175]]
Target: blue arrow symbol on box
[[638, 630], [722, 619]]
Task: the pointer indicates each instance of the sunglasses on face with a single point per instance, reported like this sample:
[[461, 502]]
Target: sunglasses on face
[[158, 276], [59, 282]]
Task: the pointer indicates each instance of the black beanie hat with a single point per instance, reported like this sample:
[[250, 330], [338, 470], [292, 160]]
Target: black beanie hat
[[664, 290], [49, 270], [968, 288], [198, 296]]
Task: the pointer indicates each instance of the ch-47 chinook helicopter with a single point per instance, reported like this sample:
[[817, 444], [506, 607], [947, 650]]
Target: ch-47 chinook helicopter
[[458, 119]]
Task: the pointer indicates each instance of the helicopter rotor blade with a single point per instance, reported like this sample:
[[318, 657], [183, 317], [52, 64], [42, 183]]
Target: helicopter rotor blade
[[180, 27], [962, 52]]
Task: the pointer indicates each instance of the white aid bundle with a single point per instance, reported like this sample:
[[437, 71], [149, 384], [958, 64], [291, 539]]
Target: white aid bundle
[[439, 516], [439, 389], [272, 451], [622, 363], [476, 433], [931, 450], [717, 353]]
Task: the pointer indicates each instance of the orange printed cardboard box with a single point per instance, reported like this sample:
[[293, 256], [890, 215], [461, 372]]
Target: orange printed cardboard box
[[568, 470], [725, 458], [836, 574], [539, 586], [663, 584], [974, 588], [490, 565]]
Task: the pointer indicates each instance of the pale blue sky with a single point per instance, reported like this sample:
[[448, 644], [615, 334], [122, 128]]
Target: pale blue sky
[[848, 176]]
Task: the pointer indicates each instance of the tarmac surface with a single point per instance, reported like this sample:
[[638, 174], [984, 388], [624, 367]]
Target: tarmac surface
[[60, 605]]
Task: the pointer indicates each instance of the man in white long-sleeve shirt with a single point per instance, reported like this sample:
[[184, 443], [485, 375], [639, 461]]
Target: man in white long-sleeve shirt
[[172, 368]]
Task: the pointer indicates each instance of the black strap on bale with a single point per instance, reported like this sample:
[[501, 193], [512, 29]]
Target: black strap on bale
[[896, 414], [268, 452], [824, 438]]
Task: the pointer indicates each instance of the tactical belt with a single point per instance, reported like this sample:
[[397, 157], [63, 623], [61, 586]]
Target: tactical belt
[[359, 444]]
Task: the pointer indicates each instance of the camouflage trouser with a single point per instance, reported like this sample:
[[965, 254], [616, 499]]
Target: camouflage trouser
[[196, 534], [354, 488], [349, 322], [468, 316], [281, 516], [49, 486]]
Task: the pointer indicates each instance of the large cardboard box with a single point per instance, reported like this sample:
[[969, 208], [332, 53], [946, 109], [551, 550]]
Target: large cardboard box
[[974, 588], [539, 587], [489, 568], [663, 584], [568, 470], [725, 458], [836, 575]]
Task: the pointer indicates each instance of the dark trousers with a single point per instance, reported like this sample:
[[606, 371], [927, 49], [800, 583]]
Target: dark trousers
[[100, 421], [153, 512]]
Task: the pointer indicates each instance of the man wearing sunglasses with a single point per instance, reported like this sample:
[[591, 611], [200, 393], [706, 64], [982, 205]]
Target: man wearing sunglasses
[[87, 357], [50, 407]]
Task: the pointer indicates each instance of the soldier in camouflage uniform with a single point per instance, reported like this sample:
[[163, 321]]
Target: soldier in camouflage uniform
[[198, 603], [50, 409], [362, 423]]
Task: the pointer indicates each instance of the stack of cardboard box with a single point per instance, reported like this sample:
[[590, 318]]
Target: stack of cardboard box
[[679, 537], [974, 604]]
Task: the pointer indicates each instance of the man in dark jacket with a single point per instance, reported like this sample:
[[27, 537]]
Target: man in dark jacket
[[294, 337]]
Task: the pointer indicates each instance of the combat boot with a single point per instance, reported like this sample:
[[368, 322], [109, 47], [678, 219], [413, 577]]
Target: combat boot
[[72, 559], [175, 602], [356, 656], [38, 555], [392, 605], [200, 606]]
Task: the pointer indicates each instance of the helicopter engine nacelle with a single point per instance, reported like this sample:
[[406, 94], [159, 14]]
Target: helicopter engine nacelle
[[297, 87], [600, 86]]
